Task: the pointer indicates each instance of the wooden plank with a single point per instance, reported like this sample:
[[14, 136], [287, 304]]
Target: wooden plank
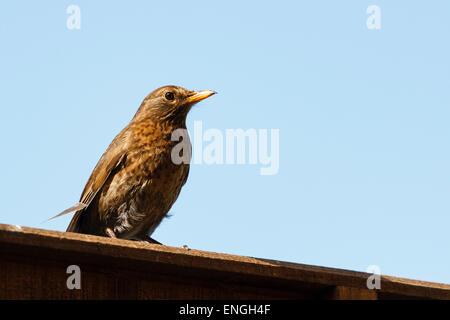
[[118, 268], [349, 293]]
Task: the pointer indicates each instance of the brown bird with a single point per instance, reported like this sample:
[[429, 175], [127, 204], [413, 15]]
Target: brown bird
[[136, 181]]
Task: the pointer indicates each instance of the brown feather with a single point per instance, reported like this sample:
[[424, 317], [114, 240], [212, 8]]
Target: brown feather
[[135, 182]]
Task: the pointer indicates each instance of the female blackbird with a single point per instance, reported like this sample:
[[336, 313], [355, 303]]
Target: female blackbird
[[136, 181]]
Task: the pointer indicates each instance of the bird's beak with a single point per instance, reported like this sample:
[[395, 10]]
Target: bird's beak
[[200, 95]]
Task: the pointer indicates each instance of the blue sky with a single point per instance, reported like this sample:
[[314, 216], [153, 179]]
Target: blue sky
[[364, 175]]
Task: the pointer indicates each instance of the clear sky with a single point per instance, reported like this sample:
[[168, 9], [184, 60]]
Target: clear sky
[[363, 118]]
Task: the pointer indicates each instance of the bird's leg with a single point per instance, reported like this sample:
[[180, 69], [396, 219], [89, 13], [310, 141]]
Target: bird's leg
[[110, 233]]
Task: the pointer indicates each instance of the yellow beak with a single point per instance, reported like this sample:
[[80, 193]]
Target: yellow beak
[[200, 95]]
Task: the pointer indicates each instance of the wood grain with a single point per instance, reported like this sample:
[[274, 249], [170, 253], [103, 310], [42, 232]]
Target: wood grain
[[33, 265]]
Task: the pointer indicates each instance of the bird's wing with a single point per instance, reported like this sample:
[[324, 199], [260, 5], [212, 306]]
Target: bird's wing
[[100, 175], [113, 157], [95, 183], [98, 178]]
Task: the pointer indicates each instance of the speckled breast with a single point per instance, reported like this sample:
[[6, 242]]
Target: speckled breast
[[151, 182]]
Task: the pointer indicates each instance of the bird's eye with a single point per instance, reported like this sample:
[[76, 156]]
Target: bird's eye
[[170, 96]]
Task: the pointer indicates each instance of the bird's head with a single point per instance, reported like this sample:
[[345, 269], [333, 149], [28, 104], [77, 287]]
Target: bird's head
[[170, 103]]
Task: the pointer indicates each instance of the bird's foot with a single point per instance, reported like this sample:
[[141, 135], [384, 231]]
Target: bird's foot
[[110, 233]]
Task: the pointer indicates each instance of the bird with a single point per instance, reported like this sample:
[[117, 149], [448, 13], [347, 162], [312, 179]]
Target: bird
[[136, 181]]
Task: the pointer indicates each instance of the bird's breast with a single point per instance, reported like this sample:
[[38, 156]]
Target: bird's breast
[[142, 192]]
